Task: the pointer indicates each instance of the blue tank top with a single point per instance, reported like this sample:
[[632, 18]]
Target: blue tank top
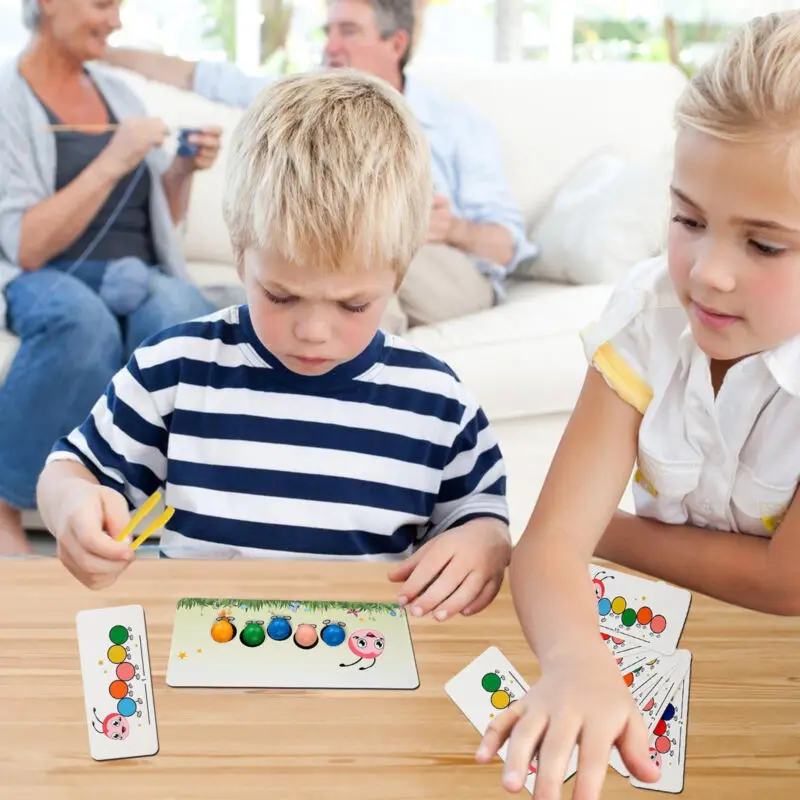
[[130, 234]]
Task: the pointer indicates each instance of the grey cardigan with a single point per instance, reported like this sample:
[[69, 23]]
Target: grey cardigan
[[28, 169]]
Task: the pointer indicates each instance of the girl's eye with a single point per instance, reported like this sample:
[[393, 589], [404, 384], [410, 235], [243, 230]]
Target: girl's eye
[[691, 224], [766, 250], [274, 298], [355, 309]]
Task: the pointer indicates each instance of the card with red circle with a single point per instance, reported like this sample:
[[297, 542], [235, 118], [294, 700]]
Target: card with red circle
[[641, 611], [117, 683], [668, 741]]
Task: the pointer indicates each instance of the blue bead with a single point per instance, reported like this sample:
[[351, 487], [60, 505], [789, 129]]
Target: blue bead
[[279, 629], [333, 635]]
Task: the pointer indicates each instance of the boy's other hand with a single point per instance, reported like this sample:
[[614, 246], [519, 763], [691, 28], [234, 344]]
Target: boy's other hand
[[459, 571], [86, 546]]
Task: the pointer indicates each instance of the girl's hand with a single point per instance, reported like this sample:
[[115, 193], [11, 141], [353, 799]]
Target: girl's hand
[[581, 697]]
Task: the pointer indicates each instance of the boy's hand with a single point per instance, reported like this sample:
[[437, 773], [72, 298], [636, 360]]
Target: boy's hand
[[85, 535], [580, 697], [459, 571]]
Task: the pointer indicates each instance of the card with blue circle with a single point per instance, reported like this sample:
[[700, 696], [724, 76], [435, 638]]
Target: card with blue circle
[[309, 644], [640, 611], [117, 683]]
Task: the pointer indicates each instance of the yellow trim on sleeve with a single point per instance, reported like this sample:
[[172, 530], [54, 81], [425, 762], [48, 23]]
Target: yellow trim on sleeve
[[640, 478], [625, 381], [774, 522]]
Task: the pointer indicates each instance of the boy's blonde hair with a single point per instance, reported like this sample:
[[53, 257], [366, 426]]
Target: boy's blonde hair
[[331, 170], [750, 90]]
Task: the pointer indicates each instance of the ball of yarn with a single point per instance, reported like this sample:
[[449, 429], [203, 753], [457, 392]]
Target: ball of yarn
[[126, 285]]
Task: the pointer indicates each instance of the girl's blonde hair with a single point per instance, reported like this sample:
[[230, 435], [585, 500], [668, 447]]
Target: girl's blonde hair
[[332, 171], [750, 90]]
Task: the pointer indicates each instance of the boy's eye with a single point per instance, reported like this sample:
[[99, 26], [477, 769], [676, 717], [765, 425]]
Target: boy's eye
[[278, 299], [355, 309], [766, 249]]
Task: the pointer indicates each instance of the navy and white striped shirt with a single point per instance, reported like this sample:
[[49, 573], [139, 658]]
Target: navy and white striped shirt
[[367, 461]]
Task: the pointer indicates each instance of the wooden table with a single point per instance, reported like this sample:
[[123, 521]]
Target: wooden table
[[744, 724]]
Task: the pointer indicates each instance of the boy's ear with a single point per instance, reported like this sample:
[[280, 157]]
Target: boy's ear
[[239, 256]]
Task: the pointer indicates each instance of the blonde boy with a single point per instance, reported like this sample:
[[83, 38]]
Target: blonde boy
[[292, 426]]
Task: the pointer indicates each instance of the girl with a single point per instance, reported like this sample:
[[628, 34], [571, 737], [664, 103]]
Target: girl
[[694, 379]]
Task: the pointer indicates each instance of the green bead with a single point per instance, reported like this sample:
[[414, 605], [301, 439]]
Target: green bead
[[253, 635]]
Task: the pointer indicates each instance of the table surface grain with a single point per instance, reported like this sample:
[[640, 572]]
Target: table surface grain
[[744, 718]]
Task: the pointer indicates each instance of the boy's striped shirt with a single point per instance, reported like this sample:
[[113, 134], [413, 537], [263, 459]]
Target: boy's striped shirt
[[363, 462]]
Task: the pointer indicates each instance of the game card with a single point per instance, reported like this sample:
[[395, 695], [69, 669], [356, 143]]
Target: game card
[[484, 689], [653, 709], [616, 762], [640, 611], [668, 742], [656, 674], [291, 644], [117, 684]]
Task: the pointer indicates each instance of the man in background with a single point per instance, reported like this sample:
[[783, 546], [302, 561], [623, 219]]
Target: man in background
[[476, 235]]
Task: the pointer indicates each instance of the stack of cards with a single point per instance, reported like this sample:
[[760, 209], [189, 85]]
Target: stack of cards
[[641, 621]]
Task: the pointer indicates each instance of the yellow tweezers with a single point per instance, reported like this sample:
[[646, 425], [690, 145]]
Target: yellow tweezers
[[162, 519]]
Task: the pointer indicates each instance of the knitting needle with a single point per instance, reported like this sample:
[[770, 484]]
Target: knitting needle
[[151, 529], [87, 128], [139, 516]]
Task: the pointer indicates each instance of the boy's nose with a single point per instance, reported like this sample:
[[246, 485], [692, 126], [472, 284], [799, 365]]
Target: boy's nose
[[314, 329]]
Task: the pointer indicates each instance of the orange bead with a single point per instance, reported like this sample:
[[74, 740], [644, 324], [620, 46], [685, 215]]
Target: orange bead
[[222, 631]]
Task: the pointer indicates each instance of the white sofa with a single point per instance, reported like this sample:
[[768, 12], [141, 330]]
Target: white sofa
[[524, 358]]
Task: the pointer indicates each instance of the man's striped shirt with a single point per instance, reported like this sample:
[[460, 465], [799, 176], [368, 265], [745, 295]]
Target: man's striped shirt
[[366, 461]]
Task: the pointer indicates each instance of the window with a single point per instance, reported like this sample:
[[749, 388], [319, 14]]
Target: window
[[12, 32]]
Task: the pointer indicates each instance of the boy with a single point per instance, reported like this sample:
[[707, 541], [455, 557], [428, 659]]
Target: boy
[[292, 426]]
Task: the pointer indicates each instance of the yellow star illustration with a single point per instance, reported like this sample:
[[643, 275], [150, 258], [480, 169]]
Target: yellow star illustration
[[100, 663], [181, 655]]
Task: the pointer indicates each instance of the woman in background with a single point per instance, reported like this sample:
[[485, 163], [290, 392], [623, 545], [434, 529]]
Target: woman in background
[[91, 263]]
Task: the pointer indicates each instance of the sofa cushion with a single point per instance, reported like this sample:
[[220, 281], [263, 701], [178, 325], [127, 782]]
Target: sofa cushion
[[550, 118], [610, 215], [524, 357]]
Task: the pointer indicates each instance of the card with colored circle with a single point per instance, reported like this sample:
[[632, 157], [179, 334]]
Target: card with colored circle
[[653, 676], [653, 708], [297, 644], [487, 686], [651, 613], [117, 683], [668, 741]]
